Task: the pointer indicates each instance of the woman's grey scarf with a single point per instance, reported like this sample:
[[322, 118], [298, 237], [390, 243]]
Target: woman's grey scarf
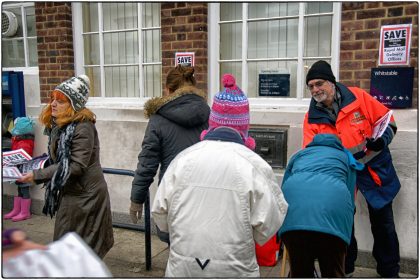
[[59, 179]]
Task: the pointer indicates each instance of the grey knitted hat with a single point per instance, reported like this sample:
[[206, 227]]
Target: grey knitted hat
[[77, 90]]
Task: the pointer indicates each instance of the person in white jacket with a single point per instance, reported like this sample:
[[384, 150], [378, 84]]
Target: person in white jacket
[[218, 197]]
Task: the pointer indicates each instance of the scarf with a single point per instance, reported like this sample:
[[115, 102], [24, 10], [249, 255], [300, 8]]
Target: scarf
[[60, 176]]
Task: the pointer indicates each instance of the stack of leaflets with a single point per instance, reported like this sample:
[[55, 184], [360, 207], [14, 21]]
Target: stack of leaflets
[[18, 162], [380, 125]]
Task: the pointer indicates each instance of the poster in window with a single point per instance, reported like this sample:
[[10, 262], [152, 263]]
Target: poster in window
[[392, 86], [395, 44], [184, 58], [273, 83]]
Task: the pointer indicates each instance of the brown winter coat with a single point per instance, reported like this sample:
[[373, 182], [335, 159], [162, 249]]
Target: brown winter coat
[[85, 206]]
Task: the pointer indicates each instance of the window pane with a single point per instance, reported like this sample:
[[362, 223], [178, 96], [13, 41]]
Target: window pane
[[121, 81], [152, 80], [30, 21], [230, 11], [230, 41], [91, 49], [117, 16], [276, 38], [151, 46], [108, 15], [130, 15], [234, 68], [32, 52], [121, 47], [94, 74], [12, 53], [254, 69], [90, 17], [307, 65], [266, 10], [319, 7], [318, 36], [151, 14]]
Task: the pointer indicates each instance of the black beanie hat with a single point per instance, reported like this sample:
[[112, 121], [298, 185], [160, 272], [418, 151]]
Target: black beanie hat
[[320, 70]]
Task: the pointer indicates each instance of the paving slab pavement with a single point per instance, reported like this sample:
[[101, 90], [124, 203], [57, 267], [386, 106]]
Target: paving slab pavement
[[127, 257]]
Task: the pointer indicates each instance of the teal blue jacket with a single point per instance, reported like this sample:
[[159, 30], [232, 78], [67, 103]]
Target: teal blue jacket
[[319, 184]]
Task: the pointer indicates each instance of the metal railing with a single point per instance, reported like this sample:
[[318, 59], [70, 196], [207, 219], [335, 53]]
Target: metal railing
[[146, 227]]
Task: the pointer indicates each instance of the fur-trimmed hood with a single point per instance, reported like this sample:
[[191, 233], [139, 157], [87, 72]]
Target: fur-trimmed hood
[[187, 106]]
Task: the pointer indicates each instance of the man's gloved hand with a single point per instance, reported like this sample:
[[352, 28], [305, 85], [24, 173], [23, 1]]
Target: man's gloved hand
[[136, 209], [375, 145]]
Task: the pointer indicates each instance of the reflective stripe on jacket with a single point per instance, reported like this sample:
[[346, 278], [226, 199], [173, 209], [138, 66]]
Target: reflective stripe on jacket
[[359, 111]]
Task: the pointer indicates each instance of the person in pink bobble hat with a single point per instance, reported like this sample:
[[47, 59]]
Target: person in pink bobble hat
[[218, 198], [231, 108]]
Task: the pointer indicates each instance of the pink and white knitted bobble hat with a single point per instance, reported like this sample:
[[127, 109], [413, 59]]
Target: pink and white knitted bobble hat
[[231, 108]]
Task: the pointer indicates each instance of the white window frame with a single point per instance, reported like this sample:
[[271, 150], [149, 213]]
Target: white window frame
[[263, 102], [27, 70], [108, 102]]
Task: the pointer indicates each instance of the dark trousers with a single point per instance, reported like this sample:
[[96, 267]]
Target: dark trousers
[[304, 247], [163, 236], [23, 190], [385, 243]]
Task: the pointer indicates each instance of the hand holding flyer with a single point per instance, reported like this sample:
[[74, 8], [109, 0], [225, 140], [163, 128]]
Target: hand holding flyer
[[381, 125]]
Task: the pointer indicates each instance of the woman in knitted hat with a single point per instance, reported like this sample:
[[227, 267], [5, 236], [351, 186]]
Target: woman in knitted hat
[[75, 188], [218, 197], [176, 121]]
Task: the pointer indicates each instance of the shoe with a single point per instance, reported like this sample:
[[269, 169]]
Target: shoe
[[349, 275], [25, 212], [16, 208]]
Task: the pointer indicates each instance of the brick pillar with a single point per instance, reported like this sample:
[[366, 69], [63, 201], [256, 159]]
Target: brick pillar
[[55, 44], [360, 36], [184, 29]]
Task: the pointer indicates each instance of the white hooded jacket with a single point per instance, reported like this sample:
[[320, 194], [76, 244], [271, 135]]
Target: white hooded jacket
[[215, 199]]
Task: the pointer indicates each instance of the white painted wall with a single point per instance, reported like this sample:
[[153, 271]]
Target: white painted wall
[[121, 130]]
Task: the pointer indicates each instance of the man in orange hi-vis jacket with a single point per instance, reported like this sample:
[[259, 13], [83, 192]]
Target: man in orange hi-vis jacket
[[351, 114]]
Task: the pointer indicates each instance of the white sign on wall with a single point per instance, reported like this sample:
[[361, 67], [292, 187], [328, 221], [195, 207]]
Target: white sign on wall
[[395, 44], [184, 58]]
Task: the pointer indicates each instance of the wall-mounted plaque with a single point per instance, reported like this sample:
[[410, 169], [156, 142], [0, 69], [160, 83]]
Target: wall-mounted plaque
[[392, 86], [273, 83]]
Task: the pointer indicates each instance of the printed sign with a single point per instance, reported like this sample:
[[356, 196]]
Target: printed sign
[[184, 58], [273, 83], [395, 45], [15, 157], [392, 86], [18, 162]]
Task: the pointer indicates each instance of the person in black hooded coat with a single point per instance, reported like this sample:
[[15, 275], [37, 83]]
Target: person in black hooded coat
[[176, 121]]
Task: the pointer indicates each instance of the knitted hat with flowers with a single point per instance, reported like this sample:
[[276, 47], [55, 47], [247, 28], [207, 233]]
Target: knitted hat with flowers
[[77, 90], [231, 108]]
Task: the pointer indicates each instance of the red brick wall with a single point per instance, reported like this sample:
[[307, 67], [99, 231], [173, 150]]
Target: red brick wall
[[360, 36], [184, 29], [55, 44]]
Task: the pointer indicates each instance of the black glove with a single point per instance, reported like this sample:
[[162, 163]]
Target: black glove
[[375, 145]]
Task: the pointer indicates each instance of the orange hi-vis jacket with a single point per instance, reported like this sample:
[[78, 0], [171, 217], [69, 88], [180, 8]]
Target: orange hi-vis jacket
[[357, 115]]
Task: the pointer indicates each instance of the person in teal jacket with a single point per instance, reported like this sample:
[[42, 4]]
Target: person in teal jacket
[[319, 184]]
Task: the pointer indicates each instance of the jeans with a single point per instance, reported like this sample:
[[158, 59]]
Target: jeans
[[385, 243]]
